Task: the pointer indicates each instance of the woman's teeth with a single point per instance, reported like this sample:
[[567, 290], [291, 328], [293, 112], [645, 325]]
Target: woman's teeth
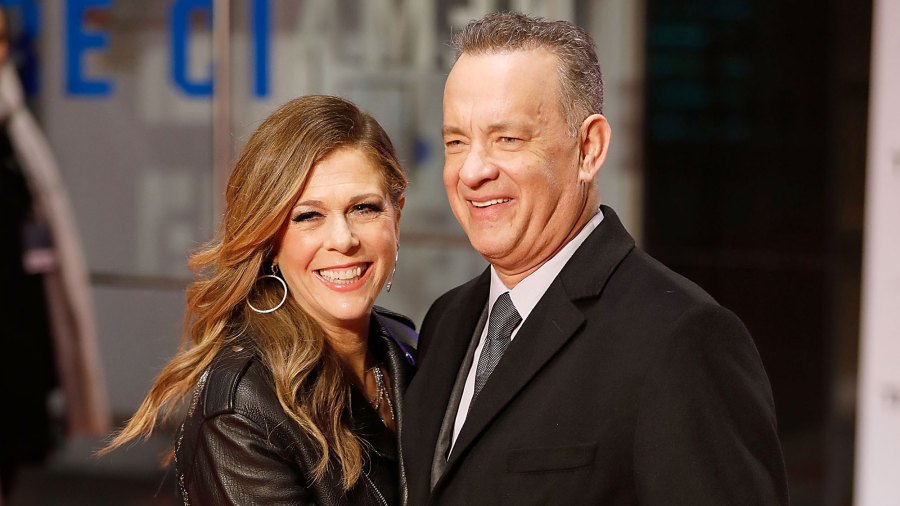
[[342, 276]]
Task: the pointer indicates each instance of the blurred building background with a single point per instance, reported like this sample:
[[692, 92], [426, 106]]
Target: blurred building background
[[739, 159]]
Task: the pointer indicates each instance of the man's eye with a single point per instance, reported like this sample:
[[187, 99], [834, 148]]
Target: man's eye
[[305, 216], [508, 140]]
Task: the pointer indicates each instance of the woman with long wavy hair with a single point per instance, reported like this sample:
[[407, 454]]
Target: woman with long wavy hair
[[291, 379]]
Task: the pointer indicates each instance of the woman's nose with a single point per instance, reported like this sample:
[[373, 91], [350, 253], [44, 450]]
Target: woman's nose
[[341, 236]]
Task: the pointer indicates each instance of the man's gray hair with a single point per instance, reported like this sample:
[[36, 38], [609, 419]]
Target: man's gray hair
[[581, 83]]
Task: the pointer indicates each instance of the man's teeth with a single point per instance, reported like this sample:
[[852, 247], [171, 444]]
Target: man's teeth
[[342, 276], [487, 203]]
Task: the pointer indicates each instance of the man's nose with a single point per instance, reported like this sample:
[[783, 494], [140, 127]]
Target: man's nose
[[477, 168]]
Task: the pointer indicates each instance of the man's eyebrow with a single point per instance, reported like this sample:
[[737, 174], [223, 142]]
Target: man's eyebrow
[[504, 125], [493, 127], [451, 130]]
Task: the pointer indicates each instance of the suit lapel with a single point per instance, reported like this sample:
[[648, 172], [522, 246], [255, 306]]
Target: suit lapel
[[427, 397], [445, 435], [552, 323], [586, 273]]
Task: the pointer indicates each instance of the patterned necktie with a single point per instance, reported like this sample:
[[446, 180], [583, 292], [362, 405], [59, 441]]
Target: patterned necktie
[[504, 319]]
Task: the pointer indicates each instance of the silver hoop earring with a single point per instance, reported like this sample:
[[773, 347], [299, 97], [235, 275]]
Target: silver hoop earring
[[390, 282], [283, 297]]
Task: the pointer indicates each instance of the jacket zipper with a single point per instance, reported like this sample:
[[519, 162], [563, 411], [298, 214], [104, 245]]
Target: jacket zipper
[[381, 500]]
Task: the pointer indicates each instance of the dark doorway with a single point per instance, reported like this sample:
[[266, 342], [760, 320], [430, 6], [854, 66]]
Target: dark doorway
[[755, 140]]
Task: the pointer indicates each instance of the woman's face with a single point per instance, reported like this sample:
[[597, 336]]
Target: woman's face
[[341, 241]]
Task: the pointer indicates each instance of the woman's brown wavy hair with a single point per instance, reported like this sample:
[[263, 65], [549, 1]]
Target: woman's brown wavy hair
[[264, 185]]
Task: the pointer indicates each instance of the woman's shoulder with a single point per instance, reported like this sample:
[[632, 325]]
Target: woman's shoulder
[[236, 382], [234, 426], [385, 313], [401, 327]]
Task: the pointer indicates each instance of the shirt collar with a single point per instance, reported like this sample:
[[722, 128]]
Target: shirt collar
[[529, 291]]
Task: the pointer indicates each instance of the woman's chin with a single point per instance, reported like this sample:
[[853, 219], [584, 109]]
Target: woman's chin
[[346, 312]]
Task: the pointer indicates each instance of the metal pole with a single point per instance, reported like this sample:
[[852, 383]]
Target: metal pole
[[221, 104]]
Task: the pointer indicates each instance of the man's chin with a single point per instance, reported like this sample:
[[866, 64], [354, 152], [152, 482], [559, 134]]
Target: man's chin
[[490, 250]]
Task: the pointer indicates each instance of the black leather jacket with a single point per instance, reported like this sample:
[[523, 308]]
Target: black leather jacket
[[237, 445]]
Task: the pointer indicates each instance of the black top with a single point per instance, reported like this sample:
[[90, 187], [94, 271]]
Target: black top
[[238, 446], [28, 437]]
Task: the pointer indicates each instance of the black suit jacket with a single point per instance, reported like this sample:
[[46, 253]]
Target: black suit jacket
[[627, 384]]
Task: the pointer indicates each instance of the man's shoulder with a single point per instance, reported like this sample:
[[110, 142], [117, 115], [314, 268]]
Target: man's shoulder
[[446, 307], [645, 288], [463, 292], [648, 274]]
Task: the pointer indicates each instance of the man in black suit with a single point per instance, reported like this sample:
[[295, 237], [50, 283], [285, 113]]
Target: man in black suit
[[576, 369]]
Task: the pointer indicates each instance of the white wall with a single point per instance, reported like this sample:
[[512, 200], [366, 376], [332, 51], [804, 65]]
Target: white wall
[[878, 421]]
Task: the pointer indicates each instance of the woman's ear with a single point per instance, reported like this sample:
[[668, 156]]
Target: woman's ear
[[594, 136], [399, 210]]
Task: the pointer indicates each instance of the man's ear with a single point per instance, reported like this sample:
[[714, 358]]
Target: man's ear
[[594, 136]]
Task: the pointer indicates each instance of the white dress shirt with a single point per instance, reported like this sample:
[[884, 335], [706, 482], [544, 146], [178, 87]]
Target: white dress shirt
[[525, 296]]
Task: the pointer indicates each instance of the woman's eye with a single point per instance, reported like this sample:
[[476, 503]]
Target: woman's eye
[[305, 216], [367, 208]]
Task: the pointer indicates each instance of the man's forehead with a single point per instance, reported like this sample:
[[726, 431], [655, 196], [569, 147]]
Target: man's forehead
[[499, 87], [522, 58], [497, 73]]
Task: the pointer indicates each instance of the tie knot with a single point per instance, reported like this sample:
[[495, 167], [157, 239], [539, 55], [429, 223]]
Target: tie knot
[[504, 318]]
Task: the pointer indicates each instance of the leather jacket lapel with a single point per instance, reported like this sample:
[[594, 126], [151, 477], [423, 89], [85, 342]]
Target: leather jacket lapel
[[401, 366]]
